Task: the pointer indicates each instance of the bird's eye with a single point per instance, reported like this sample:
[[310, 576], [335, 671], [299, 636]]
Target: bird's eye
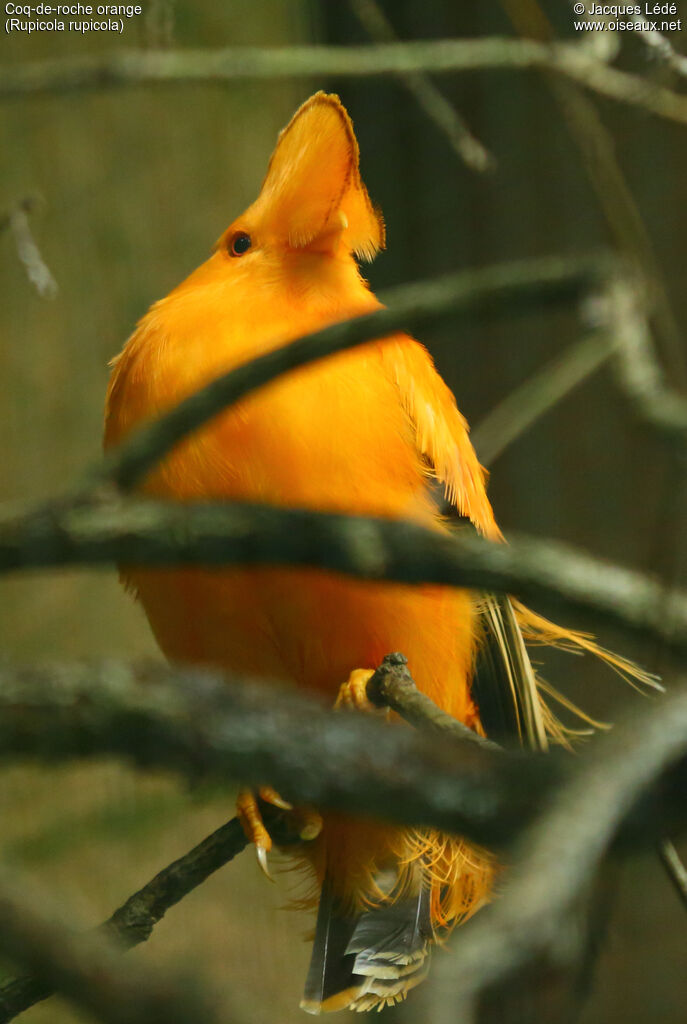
[[240, 243]]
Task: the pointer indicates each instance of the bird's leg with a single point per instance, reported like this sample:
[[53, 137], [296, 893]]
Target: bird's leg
[[306, 821]]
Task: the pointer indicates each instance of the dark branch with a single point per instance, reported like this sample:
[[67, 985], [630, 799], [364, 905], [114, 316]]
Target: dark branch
[[139, 532], [206, 727], [392, 686], [479, 294], [88, 969], [134, 921]]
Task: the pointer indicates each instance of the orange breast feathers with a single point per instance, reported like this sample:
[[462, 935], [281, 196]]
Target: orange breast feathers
[[360, 432]]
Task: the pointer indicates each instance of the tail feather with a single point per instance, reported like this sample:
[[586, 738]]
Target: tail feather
[[504, 684], [371, 958]]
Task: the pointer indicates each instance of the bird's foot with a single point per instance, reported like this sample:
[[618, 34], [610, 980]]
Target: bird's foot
[[306, 822], [352, 694]]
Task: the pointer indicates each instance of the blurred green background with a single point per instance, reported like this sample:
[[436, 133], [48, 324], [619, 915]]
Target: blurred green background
[[137, 184]]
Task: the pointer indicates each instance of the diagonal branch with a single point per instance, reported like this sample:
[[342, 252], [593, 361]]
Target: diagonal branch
[[478, 294], [88, 969], [558, 854], [16, 219], [133, 922], [516, 413]]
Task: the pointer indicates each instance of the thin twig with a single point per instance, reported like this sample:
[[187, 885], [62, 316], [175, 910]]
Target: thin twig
[[676, 870], [430, 99], [159, 23], [480, 294], [17, 220], [126, 68], [134, 921], [88, 969], [540, 393], [661, 47]]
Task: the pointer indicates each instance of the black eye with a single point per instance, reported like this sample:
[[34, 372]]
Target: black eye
[[240, 243]]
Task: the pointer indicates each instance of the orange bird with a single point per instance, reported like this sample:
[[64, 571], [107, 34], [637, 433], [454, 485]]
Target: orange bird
[[363, 432]]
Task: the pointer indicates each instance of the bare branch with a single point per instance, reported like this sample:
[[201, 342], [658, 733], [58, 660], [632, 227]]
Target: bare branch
[[478, 294], [392, 686], [209, 727], [639, 373], [140, 532], [435, 105], [606, 176], [123, 68], [134, 921], [661, 47]]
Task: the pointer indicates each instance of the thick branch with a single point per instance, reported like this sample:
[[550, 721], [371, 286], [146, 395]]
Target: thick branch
[[204, 727], [207, 727], [390, 686], [139, 532], [124, 68], [507, 288]]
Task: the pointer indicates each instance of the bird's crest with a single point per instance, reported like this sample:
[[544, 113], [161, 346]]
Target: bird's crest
[[313, 196]]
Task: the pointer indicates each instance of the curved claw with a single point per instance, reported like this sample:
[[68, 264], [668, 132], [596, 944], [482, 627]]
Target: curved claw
[[270, 796], [261, 854]]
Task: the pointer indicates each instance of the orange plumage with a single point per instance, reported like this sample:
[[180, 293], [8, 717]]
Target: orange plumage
[[354, 433]]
